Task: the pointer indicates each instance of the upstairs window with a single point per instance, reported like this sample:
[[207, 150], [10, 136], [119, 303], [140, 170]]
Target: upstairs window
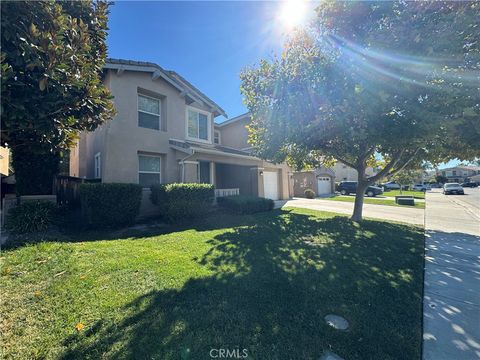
[[198, 125], [216, 137], [148, 112]]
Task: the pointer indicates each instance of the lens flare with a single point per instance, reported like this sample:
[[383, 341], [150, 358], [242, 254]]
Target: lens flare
[[293, 13]]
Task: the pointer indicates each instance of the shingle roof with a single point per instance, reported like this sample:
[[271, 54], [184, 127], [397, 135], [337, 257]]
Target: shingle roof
[[173, 76], [232, 120], [187, 145]]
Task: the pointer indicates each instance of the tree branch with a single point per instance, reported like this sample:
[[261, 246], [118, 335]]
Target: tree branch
[[389, 173], [387, 168], [341, 159], [406, 162]]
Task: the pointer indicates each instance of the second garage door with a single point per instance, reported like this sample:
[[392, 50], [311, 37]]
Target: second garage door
[[323, 185], [270, 185]]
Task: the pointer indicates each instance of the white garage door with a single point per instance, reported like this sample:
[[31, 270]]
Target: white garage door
[[270, 185], [324, 185]]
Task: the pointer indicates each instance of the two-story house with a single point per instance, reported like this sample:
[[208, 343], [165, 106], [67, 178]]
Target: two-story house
[[164, 131], [459, 173]]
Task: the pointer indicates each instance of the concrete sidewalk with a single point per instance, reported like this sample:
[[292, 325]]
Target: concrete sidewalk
[[451, 309], [395, 213]]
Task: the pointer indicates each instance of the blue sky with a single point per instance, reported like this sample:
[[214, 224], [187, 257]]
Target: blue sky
[[206, 42]]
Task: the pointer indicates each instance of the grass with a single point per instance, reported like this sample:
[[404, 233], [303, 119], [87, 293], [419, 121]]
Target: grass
[[262, 282], [415, 194], [367, 200]]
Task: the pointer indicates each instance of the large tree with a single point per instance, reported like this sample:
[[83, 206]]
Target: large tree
[[389, 84], [52, 57]]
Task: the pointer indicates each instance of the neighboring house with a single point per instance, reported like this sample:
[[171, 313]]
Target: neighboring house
[[346, 173], [164, 132], [459, 173], [321, 181]]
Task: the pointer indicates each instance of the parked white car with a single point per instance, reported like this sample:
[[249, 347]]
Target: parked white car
[[452, 188], [391, 185], [421, 187]]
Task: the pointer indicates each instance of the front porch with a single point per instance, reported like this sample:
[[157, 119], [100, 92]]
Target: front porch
[[232, 171], [228, 179]]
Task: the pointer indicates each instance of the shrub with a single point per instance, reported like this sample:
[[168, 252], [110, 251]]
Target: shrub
[[243, 204], [30, 216], [186, 201], [309, 194], [110, 205], [158, 197]]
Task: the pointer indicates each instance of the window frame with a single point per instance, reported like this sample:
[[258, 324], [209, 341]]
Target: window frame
[[149, 113], [209, 125], [219, 137], [149, 172], [97, 160]]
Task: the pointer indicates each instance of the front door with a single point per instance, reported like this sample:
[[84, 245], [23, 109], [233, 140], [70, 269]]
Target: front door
[[204, 172]]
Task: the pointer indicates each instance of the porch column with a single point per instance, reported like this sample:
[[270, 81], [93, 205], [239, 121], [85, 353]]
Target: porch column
[[213, 180]]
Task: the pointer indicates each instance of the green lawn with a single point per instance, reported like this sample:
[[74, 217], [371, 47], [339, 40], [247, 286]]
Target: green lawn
[[367, 200], [415, 194], [262, 282]]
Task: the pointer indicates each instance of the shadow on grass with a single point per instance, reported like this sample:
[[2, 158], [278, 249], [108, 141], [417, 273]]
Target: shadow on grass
[[276, 276]]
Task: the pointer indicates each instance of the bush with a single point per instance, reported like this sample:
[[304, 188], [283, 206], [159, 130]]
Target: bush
[[30, 216], [187, 201], [309, 194], [243, 204], [158, 196], [110, 205]]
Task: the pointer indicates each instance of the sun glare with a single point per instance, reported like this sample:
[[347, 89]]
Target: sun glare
[[293, 13]]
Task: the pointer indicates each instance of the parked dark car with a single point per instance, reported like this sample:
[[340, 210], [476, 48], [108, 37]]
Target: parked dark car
[[350, 187], [470, 184]]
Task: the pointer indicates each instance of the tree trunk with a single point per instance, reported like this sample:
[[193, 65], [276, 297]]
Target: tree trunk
[[358, 207]]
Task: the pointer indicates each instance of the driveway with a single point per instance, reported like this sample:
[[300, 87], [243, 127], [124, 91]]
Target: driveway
[[395, 213], [451, 308]]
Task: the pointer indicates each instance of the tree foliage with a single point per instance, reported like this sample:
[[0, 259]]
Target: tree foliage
[[51, 66], [408, 176], [389, 83]]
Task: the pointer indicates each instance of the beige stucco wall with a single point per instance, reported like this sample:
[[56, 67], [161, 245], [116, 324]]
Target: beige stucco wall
[[235, 134], [120, 140]]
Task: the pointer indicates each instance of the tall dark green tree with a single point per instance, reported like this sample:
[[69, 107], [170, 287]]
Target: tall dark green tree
[[52, 54], [390, 84]]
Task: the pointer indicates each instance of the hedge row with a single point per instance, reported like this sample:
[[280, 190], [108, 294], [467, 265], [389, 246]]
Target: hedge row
[[180, 202], [243, 204], [109, 205]]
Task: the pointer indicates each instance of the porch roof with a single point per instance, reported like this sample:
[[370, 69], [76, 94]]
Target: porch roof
[[191, 148]]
